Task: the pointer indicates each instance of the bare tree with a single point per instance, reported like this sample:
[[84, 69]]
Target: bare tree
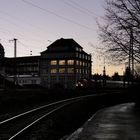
[[120, 32]]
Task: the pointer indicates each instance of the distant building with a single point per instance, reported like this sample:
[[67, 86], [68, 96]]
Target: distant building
[[2, 54], [23, 70], [61, 65]]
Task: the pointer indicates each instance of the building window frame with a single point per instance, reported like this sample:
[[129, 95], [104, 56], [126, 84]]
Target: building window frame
[[53, 62], [62, 62], [70, 62]]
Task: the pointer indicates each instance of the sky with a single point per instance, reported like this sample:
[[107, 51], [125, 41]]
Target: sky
[[37, 23]]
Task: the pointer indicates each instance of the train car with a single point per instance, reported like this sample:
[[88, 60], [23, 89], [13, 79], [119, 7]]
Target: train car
[[92, 84], [87, 84]]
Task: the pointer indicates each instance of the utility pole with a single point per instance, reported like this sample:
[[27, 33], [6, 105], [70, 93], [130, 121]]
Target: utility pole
[[15, 47], [15, 65]]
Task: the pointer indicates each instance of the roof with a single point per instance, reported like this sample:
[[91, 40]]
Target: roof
[[1, 48], [26, 59], [63, 45]]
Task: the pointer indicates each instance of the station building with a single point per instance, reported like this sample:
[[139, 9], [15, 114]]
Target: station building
[[61, 65]]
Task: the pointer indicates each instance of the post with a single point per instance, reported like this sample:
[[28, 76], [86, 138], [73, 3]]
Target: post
[[15, 47], [15, 66], [15, 63]]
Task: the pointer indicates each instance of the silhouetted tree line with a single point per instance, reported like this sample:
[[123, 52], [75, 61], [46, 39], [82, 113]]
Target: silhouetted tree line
[[120, 31]]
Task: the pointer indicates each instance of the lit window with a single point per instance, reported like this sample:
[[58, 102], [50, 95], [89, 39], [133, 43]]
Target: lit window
[[80, 63], [70, 62], [53, 70], [61, 62], [62, 70], [53, 62], [77, 62], [70, 70]]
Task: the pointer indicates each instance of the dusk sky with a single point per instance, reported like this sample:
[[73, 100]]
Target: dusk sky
[[38, 23]]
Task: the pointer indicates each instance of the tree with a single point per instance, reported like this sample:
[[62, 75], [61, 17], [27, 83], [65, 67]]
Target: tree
[[120, 32], [128, 76], [116, 76]]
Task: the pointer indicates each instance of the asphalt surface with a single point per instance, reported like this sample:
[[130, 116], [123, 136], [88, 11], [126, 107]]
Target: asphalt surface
[[120, 122]]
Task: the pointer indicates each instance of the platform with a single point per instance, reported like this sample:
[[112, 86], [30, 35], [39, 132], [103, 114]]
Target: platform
[[120, 122]]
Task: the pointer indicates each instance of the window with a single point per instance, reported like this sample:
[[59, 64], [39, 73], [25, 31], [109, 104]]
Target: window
[[77, 55], [53, 78], [33, 81], [70, 70], [53, 70], [80, 49], [61, 62], [70, 62], [80, 63], [53, 62], [77, 62], [89, 57], [77, 70], [62, 79], [62, 70]]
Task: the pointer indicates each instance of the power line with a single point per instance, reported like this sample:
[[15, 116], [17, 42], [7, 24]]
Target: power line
[[85, 9], [23, 21], [75, 7], [79, 8], [57, 15]]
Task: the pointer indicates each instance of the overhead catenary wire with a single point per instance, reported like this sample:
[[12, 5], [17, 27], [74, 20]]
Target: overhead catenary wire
[[75, 7], [80, 8], [22, 34], [29, 24], [57, 15]]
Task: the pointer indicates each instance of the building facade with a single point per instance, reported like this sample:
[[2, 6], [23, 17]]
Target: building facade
[[23, 70], [61, 65]]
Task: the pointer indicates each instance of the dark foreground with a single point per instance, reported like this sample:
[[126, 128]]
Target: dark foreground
[[66, 121], [120, 122]]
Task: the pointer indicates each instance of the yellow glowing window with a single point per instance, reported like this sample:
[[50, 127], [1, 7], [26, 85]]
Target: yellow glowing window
[[70, 62], [53, 62], [61, 62], [53, 70], [62, 70]]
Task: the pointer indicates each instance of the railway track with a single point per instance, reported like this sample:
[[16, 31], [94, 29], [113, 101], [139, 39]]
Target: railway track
[[14, 127]]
